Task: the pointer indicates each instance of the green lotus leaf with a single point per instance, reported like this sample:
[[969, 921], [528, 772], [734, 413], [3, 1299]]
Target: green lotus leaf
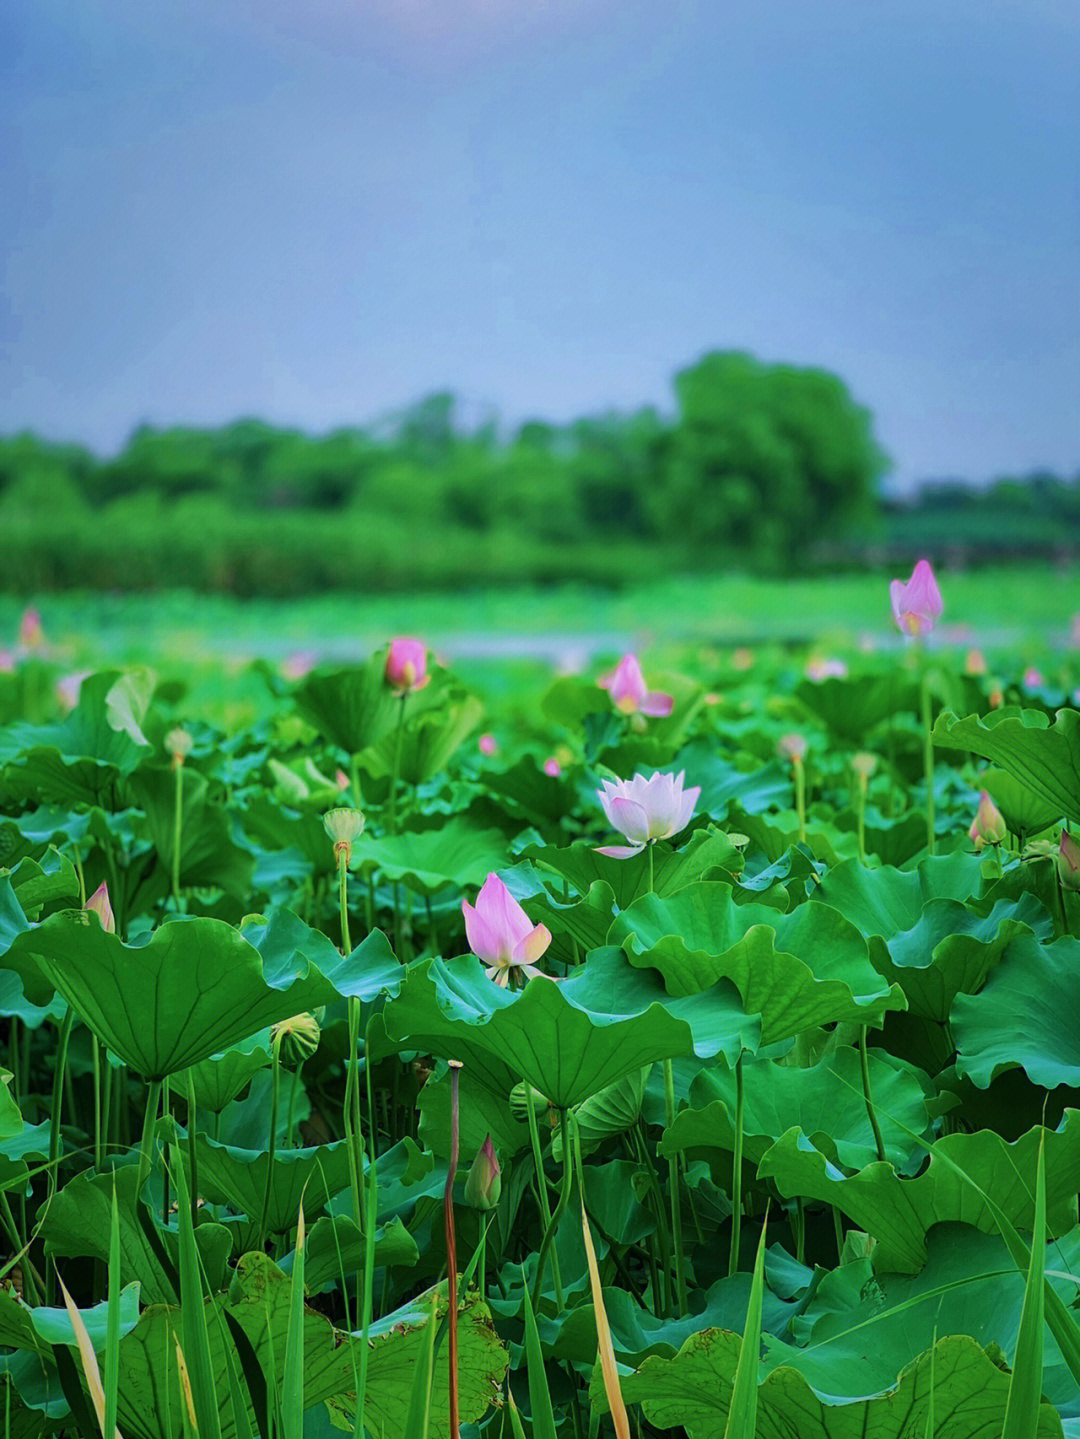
[[1027, 1016], [218, 1079], [797, 970], [237, 1177], [335, 1247], [898, 1212], [428, 739], [693, 1391], [456, 854], [38, 882], [576, 927], [850, 707], [767, 787], [1045, 758], [150, 1400], [77, 1225], [483, 1111], [272, 828], [863, 1321], [893, 841], [528, 792], [582, 865], [921, 935], [825, 1101], [194, 986], [356, 708], [568, 1038], [208, 855], [1024, 811], [78, 759]]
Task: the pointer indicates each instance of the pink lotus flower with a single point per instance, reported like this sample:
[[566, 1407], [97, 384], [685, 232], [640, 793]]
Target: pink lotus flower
[[917, 605], [1068, 862], [645, 810], [502, 935], [341, 779], [7, 662], [818, 670], [68, 688], [628, 692], [988, 826], [299, 664], [1032, 678], [552, 768], [31, 633], [99, 903], [488, 744], [406, 666]]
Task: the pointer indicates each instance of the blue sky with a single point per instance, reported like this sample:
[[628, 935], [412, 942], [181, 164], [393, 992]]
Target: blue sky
[[318, 212]]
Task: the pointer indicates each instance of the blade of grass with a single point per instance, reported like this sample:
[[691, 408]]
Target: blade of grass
[[70, 1383], [418, 1420], [292, 1399], [193, 1322], [188, 1412], [112, 1321], [742, 1416], [89, 1359], [1025, 1386], [516, 1425], [603, 1338], [253, 1374], [543, 1415]]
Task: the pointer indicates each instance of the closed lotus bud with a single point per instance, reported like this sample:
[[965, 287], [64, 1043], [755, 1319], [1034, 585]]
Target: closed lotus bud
[[343, 826], [1068, 862], [298, 1036], [341, 779], [975, 663], [488, 744], [179, 744], [792, 747], [99, 903], [988, 826], [483, 1184], [521, 1097], [406, 666]]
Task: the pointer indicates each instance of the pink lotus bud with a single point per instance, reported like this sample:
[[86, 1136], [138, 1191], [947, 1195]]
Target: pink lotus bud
[[975, 663], [502, 934], [406, 666], [298, 665], [917, 605], [341, 779], [988, 826], [99, 904], [552, 768], [629, 694], [645, 810], [31, 634], [1032, 678], [1068, 862], [712, 698], [488, 744], [995, 699], [792, 747], [483, 1184]]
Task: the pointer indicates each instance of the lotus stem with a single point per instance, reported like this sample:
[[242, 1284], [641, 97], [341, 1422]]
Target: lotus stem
[[559, 1210], [928, 760], [864, 1065], [542, 1197], [178, 831], [736, 1169], [146, 1147], [673, 1192], [391, 818], [838, 1229], [99, 1138], [275, 1094], [661, 1218], [652, 881], [860, 818], [289, 1133], [193, 1148], [365, 1299], [451, 1249], [800, 795], [58, 1091]]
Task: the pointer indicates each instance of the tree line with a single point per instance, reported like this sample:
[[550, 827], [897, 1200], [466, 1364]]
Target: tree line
[[763, 467]]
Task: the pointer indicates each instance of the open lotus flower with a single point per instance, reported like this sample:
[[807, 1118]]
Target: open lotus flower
[[645, 810], [629, 694], [917, 605], [988, 826], [406, 666], [502, 935]]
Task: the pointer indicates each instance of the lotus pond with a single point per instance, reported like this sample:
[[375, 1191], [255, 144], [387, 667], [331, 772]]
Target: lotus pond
[[695, 1050]]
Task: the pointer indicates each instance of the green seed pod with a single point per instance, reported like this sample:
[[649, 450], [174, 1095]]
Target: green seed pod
[[298, 1038], [521, 1096]]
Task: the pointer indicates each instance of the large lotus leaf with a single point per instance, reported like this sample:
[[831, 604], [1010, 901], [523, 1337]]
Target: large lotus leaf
[[38, 882], [893, 841], [862, 1322], [208, 855], [850, 707], [335, 1247], [767, 787], [572, 698], [529, 793], [429, 738], [150, 1401], [77, 1224], [797, 970], [825, 1101], [1024, 811], [483, 1111], [576, 927], [898, 1212], [1043, 757], [1026, 1016], [194, 986], [237, 1177], [921, 935], [77, 759], [582, 865], [355, 707], [569, 1038], [218, 1079], [457, 854], [693, 1391], [275, 827]]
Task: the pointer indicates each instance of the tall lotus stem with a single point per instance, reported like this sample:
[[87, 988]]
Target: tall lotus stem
[[146, 1146], [928, 759], [736, 1169], [864, 766], [271, 1148], [541, 1190], [451, 1248], [673, 1192], [793, 747], [864, 1065], [391, 818], [557, 1212], [343, 826], [179, 743]]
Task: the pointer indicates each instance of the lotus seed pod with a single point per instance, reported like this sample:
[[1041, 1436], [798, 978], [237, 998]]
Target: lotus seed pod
[[343, 826], [864, 764], [178, 743], [298, 1037], [521, 1097]]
